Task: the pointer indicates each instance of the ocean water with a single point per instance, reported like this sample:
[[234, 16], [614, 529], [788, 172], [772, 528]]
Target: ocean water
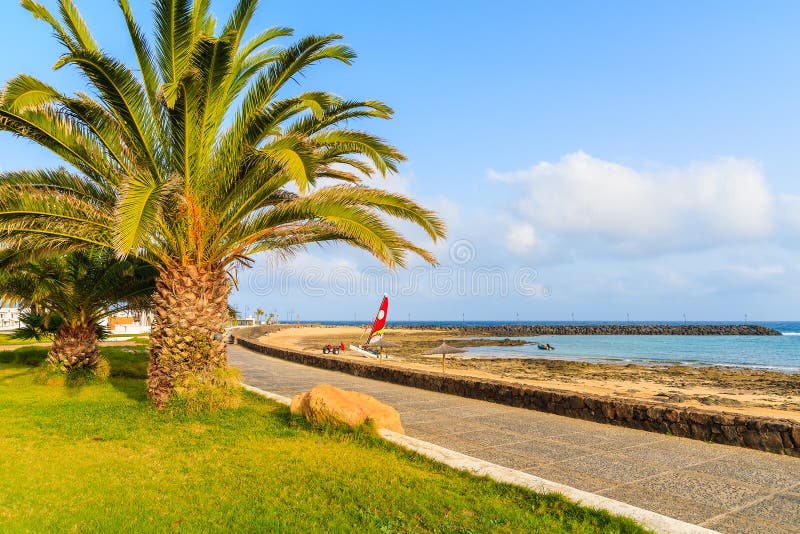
[[781, 353], [759, 352]]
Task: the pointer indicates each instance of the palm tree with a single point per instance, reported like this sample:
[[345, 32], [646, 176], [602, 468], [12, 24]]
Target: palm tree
[[259, 314], [71, 295], [196, 162]]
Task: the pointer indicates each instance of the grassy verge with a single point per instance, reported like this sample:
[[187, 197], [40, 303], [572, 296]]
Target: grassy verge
[[135, 339], [6, 339], [98, 458]]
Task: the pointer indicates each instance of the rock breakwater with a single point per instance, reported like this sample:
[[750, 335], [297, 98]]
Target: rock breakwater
[[515, 330]]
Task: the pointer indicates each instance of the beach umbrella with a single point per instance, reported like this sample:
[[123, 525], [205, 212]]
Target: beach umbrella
[[381, 344], [444, 349]]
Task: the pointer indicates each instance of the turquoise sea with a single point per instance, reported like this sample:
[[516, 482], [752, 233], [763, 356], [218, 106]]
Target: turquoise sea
[[781, 353]]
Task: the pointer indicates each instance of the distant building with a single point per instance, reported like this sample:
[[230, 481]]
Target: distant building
[[130, 322], [9, 319]]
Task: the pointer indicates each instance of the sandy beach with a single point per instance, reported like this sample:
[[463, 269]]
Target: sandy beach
[[746, 391]]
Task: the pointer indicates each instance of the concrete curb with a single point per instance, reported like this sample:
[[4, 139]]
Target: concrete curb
[[272, 396], [462, 462]]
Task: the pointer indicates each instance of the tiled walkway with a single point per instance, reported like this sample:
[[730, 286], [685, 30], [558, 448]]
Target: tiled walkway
[[729, 489]]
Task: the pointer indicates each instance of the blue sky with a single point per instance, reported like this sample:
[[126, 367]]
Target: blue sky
[[595, 159]]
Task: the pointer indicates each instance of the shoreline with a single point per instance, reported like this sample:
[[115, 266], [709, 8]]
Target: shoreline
[[623, 362]]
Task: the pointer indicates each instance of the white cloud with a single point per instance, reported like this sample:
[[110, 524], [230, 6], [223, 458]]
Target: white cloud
[[449, 211], [521, 238], [596, 202], [393, 183], [790, 213], [759, 272]]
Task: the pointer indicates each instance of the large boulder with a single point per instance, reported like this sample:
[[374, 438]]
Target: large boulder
[[328, 405]]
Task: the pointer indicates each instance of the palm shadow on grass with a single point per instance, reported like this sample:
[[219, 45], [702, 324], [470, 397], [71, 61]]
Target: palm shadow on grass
[[135, 390], [24, 357], [25, 370], [128, 370]]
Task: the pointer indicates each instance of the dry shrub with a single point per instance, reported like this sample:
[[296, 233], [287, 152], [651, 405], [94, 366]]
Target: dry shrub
[[207, 392], [50, 375]]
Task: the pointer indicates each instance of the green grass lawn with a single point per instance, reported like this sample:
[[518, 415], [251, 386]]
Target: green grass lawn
[[99, 458]]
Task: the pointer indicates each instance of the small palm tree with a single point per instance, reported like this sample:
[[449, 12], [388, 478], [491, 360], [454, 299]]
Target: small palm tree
[[196, 162], [71, 295], [259, 314], [44, 325]]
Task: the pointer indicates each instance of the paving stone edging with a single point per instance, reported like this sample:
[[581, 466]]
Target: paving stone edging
[[780, 436]]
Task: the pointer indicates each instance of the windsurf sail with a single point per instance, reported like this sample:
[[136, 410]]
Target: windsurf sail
[[379, 326]]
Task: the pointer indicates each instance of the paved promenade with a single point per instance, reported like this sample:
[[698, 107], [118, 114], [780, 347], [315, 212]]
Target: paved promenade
[[724, 488]]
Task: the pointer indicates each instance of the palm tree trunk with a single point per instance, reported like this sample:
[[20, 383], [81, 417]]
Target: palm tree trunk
[[74, 347], [191, 307]]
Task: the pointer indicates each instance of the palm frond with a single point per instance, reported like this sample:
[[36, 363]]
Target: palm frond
[[80, 287], [200, 17], [138, 209], [26, 92], [174, 36], [48, 182], [240, 19], [125, 98], [76, 25], [61, 134], [260, 40], [144, 57], [42, 13], [384, 156]]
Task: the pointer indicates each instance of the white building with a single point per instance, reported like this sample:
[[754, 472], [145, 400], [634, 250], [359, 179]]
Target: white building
[[130, 322], [9, 319]]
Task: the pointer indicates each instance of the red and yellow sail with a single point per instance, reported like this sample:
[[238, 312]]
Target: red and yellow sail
[[379, 326]]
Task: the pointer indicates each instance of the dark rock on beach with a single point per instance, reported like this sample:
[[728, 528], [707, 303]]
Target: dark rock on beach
[[483, 342]]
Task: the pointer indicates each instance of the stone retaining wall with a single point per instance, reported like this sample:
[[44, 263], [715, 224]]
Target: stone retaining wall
[[773, 435]]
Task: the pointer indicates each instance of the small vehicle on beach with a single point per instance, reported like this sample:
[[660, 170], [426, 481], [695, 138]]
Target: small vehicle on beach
[[330, 349], [546, 346]]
